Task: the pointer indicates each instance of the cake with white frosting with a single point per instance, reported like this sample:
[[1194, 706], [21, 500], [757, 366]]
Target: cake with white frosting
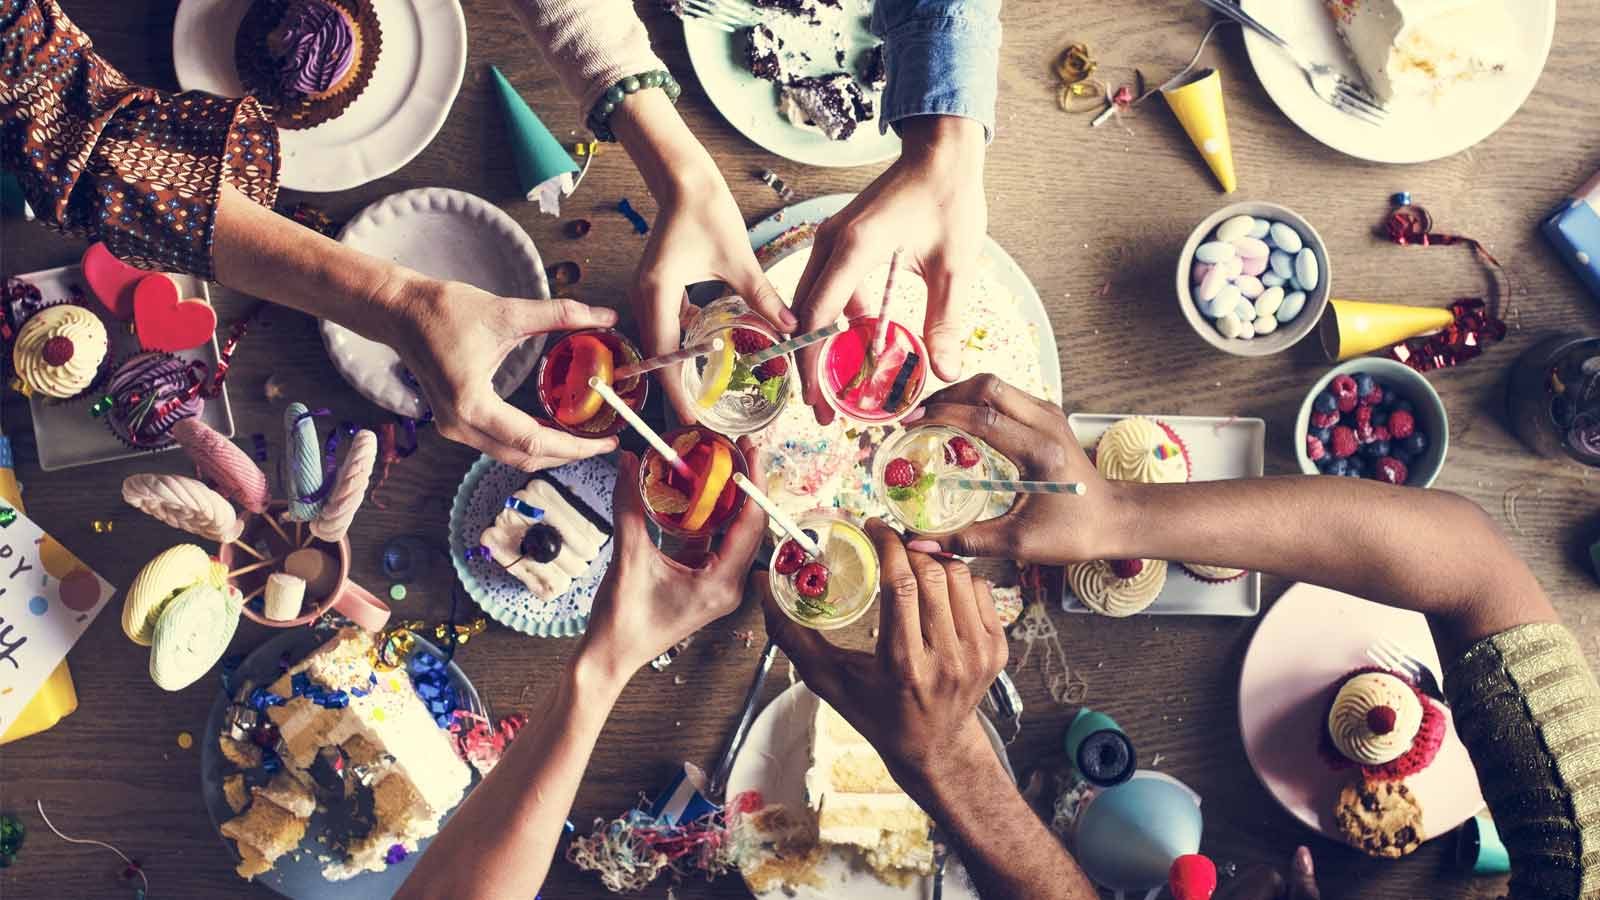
[[1424, 47], [549, 550]]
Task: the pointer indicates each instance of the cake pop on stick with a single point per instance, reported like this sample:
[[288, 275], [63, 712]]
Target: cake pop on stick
[[304, 459], [235, 474], [187, 504], [349, 488]]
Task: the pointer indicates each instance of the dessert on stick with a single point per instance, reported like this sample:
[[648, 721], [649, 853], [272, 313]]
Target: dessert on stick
[[303, 480], [186, 504], [349, 488], [231, 469]]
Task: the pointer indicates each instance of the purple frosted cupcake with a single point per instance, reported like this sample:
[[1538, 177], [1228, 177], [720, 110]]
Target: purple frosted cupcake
[[307, 59], [149, 394]]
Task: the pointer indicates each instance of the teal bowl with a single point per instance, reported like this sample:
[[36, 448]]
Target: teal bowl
[[1408, 383]]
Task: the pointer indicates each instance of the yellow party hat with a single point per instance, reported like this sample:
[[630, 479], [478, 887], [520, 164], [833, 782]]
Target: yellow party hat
[[1197, 102], [1351, 328]]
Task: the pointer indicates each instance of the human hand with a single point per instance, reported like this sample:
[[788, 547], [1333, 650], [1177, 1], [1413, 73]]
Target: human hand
[[1033, 434], [453, 337], [929, 204], [1265, 883], [940, 646], [648, 601]]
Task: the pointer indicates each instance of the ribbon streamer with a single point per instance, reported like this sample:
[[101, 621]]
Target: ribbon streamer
[[1477, 323]]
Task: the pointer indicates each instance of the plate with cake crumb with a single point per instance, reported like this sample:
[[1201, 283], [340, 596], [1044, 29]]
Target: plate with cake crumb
[[804, 83], [834, 822]]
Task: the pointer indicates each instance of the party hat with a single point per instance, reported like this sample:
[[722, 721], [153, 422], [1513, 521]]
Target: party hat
[[1198, 105], [1354, 327], [544, 170], [1128, 836]]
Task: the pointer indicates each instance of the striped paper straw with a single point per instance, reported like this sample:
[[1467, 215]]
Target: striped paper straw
[[714, 345], [795, 343], [882, 332], [1016, 487], [648, 433], [790, 526]]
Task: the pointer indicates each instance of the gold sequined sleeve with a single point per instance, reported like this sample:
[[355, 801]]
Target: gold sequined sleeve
[[109, 160], [1528, 709]]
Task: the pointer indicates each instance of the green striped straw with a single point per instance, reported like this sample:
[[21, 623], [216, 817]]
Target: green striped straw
[[795, 343], [1075, 488]]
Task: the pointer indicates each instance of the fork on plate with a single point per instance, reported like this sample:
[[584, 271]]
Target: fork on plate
[[723, 15], [1389, 653], [1329, 84]]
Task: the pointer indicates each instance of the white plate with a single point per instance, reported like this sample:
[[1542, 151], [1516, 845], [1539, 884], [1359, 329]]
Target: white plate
[[66, 434], [404, 105], [1418, 129], [1310, 638], [750, 104], [774, 761], [1219, 449], [447, 234]]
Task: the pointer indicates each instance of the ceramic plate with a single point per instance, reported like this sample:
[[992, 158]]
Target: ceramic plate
[[774, 760], [298, 874], [480, 499], [66, 433], [1417, 130], [1219, 448], [404, 105], [1311, 637], [447, 234], [750, 104]]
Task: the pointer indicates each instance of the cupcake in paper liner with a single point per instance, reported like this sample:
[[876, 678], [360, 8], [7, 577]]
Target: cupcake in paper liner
[[147, 395], [1380, 722], [1143, 450], [307, 60], [60, 351], [1117, 588], [1211, 574]]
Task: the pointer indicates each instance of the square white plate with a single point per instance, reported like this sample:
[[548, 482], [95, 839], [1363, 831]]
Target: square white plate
[[66, 434], [1219, 449]]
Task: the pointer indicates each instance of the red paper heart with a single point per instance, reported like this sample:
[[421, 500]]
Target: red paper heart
[[111, 280], [164, 321]]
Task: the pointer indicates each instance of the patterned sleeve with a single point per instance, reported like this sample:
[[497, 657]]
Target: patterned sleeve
[[104, 159]]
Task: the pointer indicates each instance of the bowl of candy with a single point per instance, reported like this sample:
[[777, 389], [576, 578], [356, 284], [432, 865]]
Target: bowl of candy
[[1253, 278], [1373, 418]]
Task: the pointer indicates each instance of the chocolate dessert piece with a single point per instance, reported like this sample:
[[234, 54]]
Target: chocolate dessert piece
[[833, 104], [762, 56], [874, 73]]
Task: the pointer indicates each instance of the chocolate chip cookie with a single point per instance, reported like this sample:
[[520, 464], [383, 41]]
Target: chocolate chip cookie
[[1380, 818]]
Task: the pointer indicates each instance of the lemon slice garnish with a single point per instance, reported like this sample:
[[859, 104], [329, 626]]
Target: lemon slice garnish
[[714, 378]]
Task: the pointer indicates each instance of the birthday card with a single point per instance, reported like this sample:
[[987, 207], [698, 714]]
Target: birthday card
[[47, 600]]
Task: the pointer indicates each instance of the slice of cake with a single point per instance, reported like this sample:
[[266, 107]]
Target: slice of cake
[[548, 552], [874, 71], [858, 806], [265, 832], [832, 104], [763, 54], [1423, 47]]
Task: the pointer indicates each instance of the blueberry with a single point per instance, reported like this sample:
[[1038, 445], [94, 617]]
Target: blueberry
[[1375, 450], [1325, 464], [1354, 473], [1416, 444], [1380, 416], [1403, 405], [1364, 384], [1325, 435], [1339, 467], [1360, 466], [1326, 402]]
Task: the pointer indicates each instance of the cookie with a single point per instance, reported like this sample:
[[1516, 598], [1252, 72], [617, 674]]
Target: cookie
[[1380, 818]]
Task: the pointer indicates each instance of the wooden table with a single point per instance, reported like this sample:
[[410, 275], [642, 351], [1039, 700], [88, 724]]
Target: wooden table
[[1094, 217]]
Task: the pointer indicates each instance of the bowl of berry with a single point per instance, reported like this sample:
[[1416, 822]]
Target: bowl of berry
[[1373, 418]]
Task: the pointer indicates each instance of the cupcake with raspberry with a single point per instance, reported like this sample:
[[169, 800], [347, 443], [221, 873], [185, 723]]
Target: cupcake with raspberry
[[1381, 723], [307, 60], [60, 350], [1118, 587], [149, 394], [1211, 574], [1143, 450]]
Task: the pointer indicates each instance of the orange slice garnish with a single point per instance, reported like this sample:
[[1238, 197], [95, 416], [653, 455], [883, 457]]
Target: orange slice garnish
[[708, 487]]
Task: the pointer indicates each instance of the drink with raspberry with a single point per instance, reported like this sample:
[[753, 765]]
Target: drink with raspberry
[[915, 469], [701, 503], [873, 388], [563, 380], [731, 396], [831, 591]]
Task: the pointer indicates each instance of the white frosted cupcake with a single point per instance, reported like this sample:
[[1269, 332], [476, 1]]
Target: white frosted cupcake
[[1142, 450], [1117, 588], [59, 351]]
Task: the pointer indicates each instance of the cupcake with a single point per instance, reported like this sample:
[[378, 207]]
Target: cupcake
[[59, 351], [307, 60], [148, 395], [1117, 588], [1383, 724], [1211, 574], [1143, 450]]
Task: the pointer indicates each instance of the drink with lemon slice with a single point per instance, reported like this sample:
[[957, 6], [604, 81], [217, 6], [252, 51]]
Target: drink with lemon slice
[[831, 591], [730, 396], [563, 380], [702, 503]]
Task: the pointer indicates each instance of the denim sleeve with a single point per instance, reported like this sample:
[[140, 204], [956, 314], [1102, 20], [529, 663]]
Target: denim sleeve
[[942, 57]]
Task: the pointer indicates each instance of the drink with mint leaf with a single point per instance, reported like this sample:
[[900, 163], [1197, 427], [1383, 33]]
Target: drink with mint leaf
[[731, 396]]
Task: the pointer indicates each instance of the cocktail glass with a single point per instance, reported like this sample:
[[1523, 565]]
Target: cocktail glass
[[702, 504], [563, 381], [913, 470], [730, 397], [835, 590], [873, 389]]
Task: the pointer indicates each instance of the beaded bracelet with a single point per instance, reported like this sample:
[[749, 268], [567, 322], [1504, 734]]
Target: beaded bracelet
[[600, 116]]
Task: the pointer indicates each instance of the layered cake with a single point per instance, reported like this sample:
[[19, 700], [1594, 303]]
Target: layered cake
[[1424, 47], [1383, 724], [346, 735], [1142, 450], [832, 104], [546, 537], [1119, 587], [858, 806]]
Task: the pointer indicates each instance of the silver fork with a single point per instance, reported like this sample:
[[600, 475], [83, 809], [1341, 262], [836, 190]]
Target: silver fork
[[941, 856], [1391, 654], [1328, 83], [723, 15], [719, 778]]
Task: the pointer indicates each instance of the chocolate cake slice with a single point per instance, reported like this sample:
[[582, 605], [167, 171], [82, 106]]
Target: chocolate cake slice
[[874, 73], [832, 104], [762, 54]]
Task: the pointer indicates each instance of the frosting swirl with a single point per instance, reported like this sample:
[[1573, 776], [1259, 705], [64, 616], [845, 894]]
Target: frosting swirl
[[150, 394], [314, 47], [77, 345], [1101, 590], [1351, 718], [1139, 449]]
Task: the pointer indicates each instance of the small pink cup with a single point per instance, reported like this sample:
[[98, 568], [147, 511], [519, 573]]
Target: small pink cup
[[352, 600]]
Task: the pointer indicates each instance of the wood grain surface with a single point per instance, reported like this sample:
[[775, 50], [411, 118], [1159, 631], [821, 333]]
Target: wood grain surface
[[1095, 217]]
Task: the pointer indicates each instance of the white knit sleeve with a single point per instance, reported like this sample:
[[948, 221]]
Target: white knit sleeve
[[592, 44]]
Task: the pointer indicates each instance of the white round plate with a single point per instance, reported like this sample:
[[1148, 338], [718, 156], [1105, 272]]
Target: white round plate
[[774, 760], [1417, 130], [1310, 638], [750, 104], [447, 234], [404, 105]]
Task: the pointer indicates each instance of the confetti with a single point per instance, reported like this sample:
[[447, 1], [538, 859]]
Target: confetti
[[578, 228], [397, 592], [259, 442], [564, 274], [102, 526], [185, 740], [632, 215], [771, 180]]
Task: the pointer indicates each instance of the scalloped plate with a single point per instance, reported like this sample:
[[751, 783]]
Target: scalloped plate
[[446, 234]]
